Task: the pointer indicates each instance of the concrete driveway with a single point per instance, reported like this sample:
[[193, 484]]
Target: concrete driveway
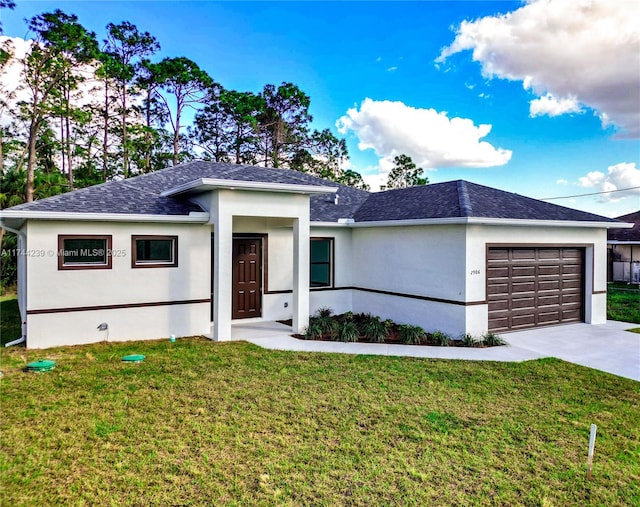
[[607, 347]]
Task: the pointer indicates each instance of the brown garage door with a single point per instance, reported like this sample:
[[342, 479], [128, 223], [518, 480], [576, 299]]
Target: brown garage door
[[529, 287]]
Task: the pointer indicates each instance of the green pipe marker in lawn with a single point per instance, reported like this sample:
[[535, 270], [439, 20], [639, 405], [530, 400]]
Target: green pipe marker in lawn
[[133, 358], [41, 365]]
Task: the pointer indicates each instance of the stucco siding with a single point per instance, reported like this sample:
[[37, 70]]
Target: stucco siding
[[340, 301], [50, 289], [430, 315], [74, 328], [419, 260]]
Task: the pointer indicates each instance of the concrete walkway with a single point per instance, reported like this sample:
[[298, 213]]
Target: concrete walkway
[[607, 347]]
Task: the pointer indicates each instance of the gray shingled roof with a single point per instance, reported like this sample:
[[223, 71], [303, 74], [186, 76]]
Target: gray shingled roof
[[141, 195], [454, 199], [626, 234]]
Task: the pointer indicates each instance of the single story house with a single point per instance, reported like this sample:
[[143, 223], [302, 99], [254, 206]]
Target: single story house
[[190, 249], [623, 248]]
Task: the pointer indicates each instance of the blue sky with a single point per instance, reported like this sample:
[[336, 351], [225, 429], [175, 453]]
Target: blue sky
[[380, 74]]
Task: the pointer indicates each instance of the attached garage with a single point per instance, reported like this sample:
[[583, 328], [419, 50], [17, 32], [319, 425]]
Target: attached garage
[[534, 286]]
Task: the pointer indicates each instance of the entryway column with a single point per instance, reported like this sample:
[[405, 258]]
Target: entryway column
[[222, 270], [300, 274]]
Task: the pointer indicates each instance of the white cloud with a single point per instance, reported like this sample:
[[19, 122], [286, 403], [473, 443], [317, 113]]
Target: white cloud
[[392, 69], [429, 137], [375, 181], [551, 106], [562, 181], [568, 52], [619, 176]]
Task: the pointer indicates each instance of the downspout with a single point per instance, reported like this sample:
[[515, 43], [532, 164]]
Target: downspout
[[22, 281]]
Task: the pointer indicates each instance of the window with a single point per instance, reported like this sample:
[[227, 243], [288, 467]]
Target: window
[[321, 269], [84, 252], [154, 251]]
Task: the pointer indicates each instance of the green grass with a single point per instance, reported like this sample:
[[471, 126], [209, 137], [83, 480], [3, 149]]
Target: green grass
[[201, 423], [623, 304], [10, 328]]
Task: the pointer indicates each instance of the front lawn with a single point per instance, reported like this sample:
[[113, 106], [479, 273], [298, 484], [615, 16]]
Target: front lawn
[[200, 423], [623, 303], [10, 328]]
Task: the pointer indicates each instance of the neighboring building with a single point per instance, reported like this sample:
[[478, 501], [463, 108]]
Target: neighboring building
[[190, 249], [623, 251]]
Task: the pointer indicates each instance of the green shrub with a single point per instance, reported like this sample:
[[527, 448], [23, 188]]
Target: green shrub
[[324, 312], [411, 335], [491, 340], [314, 330], [348, 332], [329, 326], [441, 339], [373, 329], [347, 317], [468, 340]]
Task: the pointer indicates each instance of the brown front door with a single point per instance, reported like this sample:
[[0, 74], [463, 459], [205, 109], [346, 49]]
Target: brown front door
[[247, 278]]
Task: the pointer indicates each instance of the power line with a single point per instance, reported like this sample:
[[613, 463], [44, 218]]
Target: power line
[[592, 193]]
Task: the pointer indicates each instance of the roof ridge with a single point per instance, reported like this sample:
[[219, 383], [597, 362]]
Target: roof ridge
[[464, 201]]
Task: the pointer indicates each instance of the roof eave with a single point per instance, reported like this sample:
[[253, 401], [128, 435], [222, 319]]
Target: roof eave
[[204, 184], [342, 222], [489, 221], [192, 217], [519, 222]]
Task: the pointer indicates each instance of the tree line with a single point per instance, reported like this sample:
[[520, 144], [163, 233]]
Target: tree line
[[85, 111]]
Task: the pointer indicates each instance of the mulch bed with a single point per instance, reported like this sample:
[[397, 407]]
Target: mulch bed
[[393, 339]]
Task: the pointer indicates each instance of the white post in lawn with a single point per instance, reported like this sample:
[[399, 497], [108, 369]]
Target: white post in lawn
[[222, 269], [300, 274], [592, 444]]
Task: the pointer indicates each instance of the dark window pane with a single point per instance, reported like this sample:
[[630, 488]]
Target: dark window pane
[[154, 250], [320, 266], [320, 250], [84, 251], [320, 275]]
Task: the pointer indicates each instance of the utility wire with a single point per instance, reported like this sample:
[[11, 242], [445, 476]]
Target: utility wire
[[592, 193]]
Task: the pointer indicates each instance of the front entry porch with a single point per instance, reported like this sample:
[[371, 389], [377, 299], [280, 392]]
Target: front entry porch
[[251, 329], [242, 222], [258, 328]]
